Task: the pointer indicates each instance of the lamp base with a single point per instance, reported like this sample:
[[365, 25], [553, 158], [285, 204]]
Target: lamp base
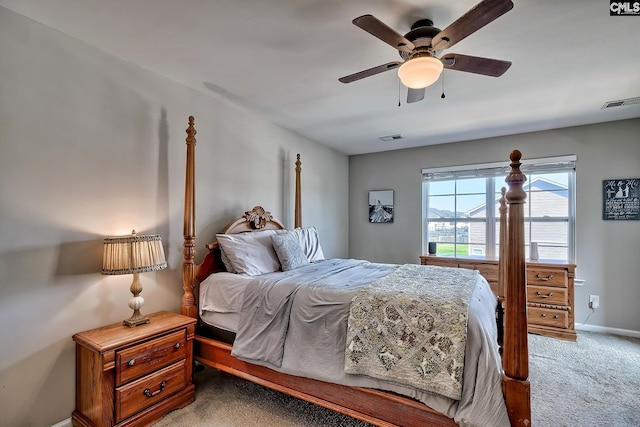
[[134, 321], [135, 303]]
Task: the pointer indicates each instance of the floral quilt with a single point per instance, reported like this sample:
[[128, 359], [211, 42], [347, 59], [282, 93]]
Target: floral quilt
[[410, 327]]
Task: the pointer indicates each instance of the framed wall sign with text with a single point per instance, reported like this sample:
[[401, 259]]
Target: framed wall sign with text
[[621, 199]]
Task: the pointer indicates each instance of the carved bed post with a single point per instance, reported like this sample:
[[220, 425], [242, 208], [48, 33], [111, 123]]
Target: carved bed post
[[189, 307], [298, 203], [502, 272], [516, 354], [504, 244]]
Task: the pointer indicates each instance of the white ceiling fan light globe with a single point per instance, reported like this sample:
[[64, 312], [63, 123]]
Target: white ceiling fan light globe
[[420, 72]]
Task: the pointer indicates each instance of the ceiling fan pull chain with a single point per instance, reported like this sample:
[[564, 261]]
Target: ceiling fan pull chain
[[399, 90], [442, 96]]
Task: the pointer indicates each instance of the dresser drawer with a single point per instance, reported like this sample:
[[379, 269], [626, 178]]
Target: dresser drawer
[[489, 271], [547, 277], [140, 394], [548, 317], [547, 295], [139, 360]]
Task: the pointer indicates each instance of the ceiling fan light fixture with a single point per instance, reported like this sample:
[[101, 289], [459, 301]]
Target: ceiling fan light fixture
[[420, 72]]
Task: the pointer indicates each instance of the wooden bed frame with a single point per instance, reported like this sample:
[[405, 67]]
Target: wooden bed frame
[[374, 406]]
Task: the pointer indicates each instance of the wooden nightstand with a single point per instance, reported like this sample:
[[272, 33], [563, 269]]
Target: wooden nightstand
[[134, 376]]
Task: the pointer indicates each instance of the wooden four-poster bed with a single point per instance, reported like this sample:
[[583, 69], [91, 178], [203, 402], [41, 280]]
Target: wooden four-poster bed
[[379, 407]]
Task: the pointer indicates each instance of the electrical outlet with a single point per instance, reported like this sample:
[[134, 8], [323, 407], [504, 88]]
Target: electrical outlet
[[594, 301]]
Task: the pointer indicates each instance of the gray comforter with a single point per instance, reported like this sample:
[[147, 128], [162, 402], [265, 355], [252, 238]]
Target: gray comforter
[[301, 330]]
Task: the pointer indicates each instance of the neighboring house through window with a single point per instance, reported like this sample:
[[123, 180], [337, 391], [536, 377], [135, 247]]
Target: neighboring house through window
[[461, 208]]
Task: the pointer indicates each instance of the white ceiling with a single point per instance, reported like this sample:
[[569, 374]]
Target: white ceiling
[[282, 59]]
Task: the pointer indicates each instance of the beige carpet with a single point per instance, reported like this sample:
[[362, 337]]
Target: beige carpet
[[592, 382]]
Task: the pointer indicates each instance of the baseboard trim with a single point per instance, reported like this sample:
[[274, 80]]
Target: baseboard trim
[[607, 330], [63, 423]]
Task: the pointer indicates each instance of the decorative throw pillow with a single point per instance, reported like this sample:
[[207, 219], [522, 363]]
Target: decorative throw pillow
[[289, 251], [308, 238], [250, 253]]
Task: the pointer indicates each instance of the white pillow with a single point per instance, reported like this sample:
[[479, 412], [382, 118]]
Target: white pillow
[[308, 238], [289, 251], [250, 253], [226, 261]]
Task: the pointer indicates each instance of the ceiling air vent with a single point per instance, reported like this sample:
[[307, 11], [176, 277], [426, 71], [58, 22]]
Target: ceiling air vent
[[391, 137], [621, 102]]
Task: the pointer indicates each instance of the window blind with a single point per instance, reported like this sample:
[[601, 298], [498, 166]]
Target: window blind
[[486, 170]]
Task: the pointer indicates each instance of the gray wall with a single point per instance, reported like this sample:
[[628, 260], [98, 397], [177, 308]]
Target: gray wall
[[606, 251], [91, 146]]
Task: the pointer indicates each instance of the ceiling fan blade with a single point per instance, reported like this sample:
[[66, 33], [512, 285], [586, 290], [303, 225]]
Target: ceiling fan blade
[[415, 95], [369, 72], [475, 64], [379, 29], [476, 18]]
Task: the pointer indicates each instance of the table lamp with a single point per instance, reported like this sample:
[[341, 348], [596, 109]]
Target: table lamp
[[133, 254]]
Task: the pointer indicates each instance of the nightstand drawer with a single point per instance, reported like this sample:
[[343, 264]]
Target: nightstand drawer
[[548, 317], [547, 295], [547, 277], [140, 394], [139, 360]]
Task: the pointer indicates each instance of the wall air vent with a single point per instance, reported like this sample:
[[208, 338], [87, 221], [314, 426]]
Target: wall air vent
[[621, 102], [391, 137]]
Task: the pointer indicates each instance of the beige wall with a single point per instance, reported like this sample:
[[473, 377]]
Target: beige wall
[[92, 146], [606, 251]]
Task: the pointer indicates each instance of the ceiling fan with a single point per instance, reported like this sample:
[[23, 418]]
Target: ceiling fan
[[420, 47]]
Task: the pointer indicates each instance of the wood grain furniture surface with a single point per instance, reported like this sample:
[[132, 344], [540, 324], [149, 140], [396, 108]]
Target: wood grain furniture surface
[[133, 376], [549, 291], [376, 407]]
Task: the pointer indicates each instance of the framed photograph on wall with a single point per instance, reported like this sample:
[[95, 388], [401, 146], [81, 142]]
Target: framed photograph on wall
[[621, 199], [381, 206]]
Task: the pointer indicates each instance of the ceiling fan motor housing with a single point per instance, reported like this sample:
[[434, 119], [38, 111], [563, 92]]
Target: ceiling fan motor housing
[[421, 34]]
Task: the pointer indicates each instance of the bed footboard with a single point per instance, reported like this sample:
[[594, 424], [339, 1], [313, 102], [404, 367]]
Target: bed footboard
[[373, 406]]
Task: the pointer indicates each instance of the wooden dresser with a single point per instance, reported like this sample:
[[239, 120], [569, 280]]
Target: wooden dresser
[[134, 376], [549, 291]]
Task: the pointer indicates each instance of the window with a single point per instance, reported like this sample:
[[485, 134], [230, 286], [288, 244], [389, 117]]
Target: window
[[461, 208]]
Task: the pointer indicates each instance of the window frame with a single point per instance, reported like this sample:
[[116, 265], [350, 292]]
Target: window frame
[[492, 172]]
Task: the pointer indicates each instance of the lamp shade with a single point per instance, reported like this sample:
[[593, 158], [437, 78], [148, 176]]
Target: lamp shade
[[420, 72], [133, 254]]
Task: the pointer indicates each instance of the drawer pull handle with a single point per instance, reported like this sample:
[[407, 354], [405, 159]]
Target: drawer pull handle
[[132, 362], [177, 346], [148, 392], [549, 295], [555, 316], [543, 315], [549, 277]]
